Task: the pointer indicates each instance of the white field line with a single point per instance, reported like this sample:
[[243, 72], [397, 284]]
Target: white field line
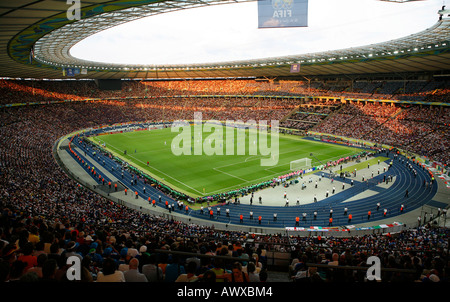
[[158, 170], [250, 158], [216, 169]]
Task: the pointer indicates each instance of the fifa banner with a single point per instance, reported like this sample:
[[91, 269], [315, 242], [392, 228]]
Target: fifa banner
[[282, 13]]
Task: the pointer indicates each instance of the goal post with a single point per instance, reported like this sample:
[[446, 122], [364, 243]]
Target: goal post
[[300, 164]]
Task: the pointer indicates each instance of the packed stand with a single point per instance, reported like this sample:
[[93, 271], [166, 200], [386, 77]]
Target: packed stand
[[46, 216], [414, 128], [306, 116]]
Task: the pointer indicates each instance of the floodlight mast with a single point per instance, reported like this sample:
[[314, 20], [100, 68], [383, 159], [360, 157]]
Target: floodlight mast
[[444, 13]]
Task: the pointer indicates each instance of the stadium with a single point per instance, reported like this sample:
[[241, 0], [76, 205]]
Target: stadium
[[269, 169]]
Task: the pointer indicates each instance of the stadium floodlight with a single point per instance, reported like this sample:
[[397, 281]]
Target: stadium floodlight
[[300, 164]]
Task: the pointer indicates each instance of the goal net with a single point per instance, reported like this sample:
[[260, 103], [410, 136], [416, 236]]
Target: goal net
[[301, 164]]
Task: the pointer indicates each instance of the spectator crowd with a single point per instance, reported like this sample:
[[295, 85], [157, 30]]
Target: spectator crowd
[[45, 216]]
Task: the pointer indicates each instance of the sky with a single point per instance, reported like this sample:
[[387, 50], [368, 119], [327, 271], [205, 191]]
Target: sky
[[230, 32]]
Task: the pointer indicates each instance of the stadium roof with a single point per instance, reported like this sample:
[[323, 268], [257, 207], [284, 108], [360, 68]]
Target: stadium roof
[[36, 37]]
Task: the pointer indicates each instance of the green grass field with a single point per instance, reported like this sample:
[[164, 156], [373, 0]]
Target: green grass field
[[204, 175]]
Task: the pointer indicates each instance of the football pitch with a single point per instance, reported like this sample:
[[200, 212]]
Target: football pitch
[[151, 151]]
